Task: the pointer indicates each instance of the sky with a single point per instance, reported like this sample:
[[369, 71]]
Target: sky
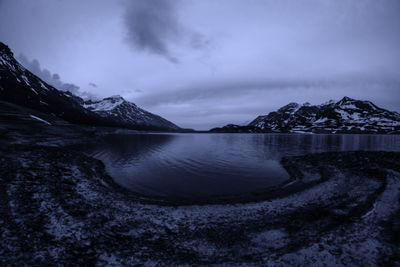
[[207, 63]]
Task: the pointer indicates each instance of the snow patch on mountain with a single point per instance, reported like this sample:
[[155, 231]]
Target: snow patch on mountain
[[127, 113], [106, 104], [344, 116], [39, 119]]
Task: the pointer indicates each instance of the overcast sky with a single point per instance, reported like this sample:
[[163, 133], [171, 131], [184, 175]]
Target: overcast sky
[[206, 63]]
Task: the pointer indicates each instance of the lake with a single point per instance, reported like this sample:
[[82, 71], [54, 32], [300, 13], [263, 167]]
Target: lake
[[199, 166]]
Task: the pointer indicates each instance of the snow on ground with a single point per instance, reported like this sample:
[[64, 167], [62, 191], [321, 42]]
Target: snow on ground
[[39, 119]]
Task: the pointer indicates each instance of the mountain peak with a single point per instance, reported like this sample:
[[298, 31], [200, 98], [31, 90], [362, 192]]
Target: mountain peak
[[345, 116], [115, 97], [127, 113], [289, 107], [346, 99], [328, 103], [5, 49]]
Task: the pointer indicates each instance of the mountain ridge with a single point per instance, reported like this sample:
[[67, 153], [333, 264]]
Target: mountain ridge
[[128, 113], [344, 116], [20, 86]]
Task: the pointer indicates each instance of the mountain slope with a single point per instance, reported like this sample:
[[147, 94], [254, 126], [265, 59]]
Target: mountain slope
[[128, 114], [20, 86], [344, 116]]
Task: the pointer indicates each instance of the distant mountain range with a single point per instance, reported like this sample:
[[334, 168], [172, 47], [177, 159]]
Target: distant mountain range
[[344, 116], [19, 86]]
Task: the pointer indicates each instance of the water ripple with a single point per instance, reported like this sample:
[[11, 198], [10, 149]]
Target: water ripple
[[201, 165]]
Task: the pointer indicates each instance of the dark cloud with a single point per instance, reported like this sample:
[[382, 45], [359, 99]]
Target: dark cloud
[[52, 79], [93, 85], [154, 26], [240, 87], [198, 41]]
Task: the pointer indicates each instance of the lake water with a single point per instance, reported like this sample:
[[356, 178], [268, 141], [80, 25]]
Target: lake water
[[199, 166]]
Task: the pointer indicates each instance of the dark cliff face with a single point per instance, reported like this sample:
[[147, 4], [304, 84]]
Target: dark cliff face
[[344, 116]]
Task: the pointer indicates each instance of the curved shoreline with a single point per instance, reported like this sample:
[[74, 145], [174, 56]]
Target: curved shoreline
[[60, 206]]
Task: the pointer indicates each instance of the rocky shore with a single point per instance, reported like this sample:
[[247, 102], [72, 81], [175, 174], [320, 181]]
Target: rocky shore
[[60, 207]]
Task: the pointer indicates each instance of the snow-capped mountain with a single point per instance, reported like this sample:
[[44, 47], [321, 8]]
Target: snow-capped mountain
[[344, 116], [127, 113], [19, 86]]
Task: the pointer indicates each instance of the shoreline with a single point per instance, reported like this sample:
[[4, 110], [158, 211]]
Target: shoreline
[[61, 206]]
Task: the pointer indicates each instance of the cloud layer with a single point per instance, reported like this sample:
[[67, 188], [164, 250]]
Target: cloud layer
[[237, 58], [151, 25], [52, 79]]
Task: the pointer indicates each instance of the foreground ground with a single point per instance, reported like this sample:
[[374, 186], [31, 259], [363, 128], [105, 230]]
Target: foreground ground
[[59, 206]]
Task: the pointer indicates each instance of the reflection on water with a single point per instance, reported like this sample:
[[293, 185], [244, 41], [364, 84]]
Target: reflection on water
[[200, 165]]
